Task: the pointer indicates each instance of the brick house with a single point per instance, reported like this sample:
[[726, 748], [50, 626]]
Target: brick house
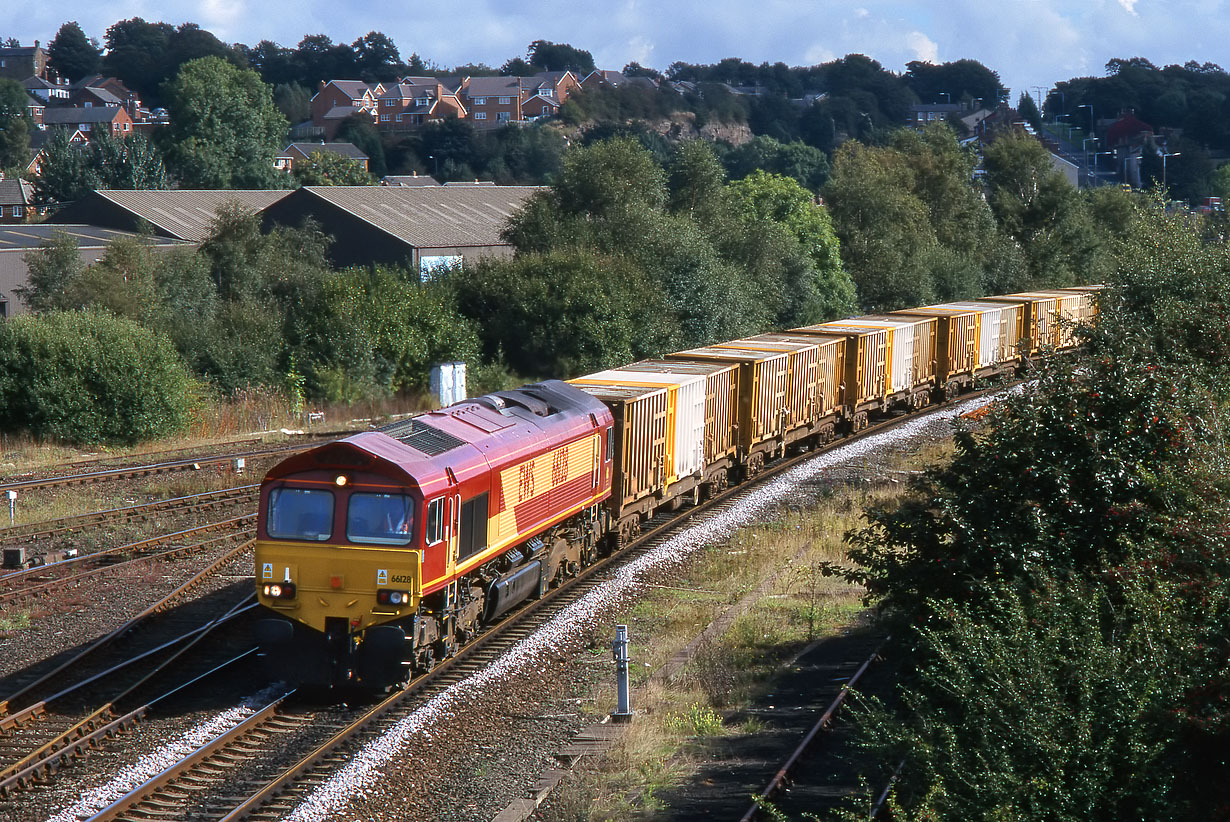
[[89, 120], [19, 62], [414, 101], [299, 152], [548, 86], [15, 197], [492, 101], [108, 89], [336, 100]]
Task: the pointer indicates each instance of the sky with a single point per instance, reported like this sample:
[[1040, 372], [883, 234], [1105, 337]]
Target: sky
[[1029, 42]]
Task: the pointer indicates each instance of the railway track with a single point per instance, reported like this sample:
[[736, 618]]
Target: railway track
[[56, 576], [226, 766], [193, 503], [36, 741], [193, 463], [22, 704], [287, 749]]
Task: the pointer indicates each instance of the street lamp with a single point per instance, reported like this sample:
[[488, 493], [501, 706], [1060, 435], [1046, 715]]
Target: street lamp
[[1085, 149], [1164, 156], [1096, 155], [1092, 122]]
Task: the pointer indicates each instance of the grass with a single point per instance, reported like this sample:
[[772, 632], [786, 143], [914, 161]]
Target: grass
[[660, 747]]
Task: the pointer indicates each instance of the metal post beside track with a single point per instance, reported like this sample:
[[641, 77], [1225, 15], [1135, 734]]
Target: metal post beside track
[[619, 650]]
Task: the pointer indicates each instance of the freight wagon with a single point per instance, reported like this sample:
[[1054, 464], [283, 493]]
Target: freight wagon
[[382, 552]]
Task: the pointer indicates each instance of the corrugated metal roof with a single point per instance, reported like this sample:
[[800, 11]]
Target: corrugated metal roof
[[26, 237], [430, 216], [185, 214]]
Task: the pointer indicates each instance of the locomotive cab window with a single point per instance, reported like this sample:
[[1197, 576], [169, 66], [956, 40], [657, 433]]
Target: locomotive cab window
[[300, 513], [380, 519], [435, 521]]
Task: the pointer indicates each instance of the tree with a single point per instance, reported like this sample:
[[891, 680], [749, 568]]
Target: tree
[[66, 174], [90, 378], [294, 101], [322, 59], [53, 268], [14, 126], [696, 178], [772, 197], [1068, 570], [804, 163], [137, 54], [325, 168], [359, 130], [70, 171], [547, 56], [376, 57], [72, 54], [1037, 207], [516, 67], [883, 227], [225, 130], [565, 313], [955, 81], [1028, 110]]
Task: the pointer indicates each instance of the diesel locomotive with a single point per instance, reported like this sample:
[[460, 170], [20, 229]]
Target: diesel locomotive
[[381, 553]]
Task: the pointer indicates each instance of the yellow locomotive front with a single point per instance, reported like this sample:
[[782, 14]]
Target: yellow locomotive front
[[339, 559]]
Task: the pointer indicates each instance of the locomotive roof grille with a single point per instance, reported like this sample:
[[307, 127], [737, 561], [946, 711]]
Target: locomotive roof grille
[[422, 437]]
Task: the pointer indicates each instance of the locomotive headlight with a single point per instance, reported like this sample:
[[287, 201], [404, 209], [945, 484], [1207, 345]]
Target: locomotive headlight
[[285, 590], [341, 480], [387, 597]]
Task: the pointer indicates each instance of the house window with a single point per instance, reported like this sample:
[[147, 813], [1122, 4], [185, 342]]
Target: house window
[[88, 104], [505, 101], [16, 211], [546, 109], [548, 92], [399, 117], [126, 126], [480, 115], [388, 102], [423, 101], [480, 101], [385, 117], [503, 115]]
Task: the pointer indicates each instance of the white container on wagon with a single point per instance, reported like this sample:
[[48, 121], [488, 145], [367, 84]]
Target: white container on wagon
[[685, 412]]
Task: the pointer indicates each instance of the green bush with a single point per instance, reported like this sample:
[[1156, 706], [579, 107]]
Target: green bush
[[90, 378]]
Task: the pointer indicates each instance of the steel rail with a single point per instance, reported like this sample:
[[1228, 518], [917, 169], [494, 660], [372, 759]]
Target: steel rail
[[103, 722], [783, 773], [158, 607], [185, 464], [511, 628], [191, 502], [131, 546]]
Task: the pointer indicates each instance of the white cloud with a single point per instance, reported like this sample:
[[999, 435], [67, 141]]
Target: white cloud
[[1130, 6], [923, 47]]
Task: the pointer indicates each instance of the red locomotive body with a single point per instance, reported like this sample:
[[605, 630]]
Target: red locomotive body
[[382, 551]]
